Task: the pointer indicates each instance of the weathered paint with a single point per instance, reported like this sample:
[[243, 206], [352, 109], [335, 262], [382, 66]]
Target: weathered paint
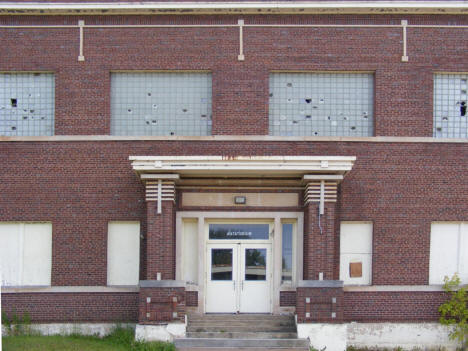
[[163, 332]]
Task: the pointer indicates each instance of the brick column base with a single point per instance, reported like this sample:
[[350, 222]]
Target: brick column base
[[320, 301], [161, 301]]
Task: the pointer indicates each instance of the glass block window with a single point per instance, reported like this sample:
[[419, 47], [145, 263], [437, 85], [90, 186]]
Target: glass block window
[[155, 103], [450, 99], [321, 104], [27, 104]]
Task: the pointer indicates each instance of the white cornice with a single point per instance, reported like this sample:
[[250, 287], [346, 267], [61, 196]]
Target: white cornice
[[242, 166], [247, 7]]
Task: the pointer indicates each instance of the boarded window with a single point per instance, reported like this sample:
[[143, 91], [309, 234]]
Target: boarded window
[[25, 254], [449, 251], [450, 99], [152, 103], [356, 253], [123, 253], [27, 104], [190, 251], [321, 104]]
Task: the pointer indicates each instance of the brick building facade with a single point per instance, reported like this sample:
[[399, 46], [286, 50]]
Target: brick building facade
[[398, 171]]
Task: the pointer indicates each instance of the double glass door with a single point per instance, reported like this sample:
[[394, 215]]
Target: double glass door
[[238, 278]]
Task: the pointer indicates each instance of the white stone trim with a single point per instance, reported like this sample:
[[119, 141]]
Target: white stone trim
[[256, 138], [326, 7], [235, 166], [69, 289], [393, 288], [160, 191]]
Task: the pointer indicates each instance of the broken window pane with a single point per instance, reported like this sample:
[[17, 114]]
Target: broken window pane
[[450, 98], [160, 103], [321, 104], [27, 104]]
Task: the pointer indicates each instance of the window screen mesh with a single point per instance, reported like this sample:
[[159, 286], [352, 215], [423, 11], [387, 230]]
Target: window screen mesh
[[450, 99], [161, 103], [27, 104], [321, 104]]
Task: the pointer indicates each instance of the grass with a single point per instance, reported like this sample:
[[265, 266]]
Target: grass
[[120, 340]]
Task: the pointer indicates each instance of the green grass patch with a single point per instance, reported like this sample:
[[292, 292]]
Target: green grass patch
[[121, 339]]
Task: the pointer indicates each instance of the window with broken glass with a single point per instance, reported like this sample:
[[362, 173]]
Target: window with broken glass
[[161, 103], [321, 104], [450, 99], [27, 104]]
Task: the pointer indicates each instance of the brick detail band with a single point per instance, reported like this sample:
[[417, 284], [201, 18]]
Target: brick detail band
[[161, 304], [324, 305]]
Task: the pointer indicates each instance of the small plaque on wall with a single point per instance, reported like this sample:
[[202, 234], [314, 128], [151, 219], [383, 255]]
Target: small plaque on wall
[[355, 269]]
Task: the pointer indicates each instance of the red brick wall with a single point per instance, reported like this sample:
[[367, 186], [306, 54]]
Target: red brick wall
[[403, 91], [80, 186], [73, 307], [191, 298], [160, 239], [392, 306]]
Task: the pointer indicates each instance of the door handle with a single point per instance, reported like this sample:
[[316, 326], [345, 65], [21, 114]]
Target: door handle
[[242, 285], [234, 285]]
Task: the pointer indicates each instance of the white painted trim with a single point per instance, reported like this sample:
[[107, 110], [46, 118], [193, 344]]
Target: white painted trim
[[380, 7], [235, 166], [240, 138], [69, 289], [392, 288]]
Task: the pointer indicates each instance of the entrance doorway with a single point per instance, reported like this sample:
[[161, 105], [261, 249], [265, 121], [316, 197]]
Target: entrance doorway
[[238, 278]]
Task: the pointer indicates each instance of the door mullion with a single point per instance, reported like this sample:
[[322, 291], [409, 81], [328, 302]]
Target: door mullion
[[239, 269]]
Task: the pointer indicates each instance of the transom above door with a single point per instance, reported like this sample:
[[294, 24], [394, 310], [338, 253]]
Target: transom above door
[[238, 278]]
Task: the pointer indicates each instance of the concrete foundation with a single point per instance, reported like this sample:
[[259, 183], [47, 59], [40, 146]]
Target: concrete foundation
[[98, 329], [407, 336], [163, 332]]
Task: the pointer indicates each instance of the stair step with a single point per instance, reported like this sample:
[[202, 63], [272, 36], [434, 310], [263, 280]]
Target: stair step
[[256, 344], [242, 335], [241, 328], [244, 322], [231, 317]]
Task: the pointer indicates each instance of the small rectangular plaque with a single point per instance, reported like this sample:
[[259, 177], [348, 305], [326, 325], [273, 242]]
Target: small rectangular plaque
[[355, 269]]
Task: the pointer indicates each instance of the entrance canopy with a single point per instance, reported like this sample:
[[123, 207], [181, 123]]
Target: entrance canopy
[[317, 175], [242, 166]]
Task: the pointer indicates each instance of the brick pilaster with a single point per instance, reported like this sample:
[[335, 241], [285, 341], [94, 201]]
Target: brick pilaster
[[160, 247], [319, 244]]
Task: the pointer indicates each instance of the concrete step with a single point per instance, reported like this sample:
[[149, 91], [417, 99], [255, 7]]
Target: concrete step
[[234, 317], [245, 325], [241, 328], [255, 344], [242, 335]]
